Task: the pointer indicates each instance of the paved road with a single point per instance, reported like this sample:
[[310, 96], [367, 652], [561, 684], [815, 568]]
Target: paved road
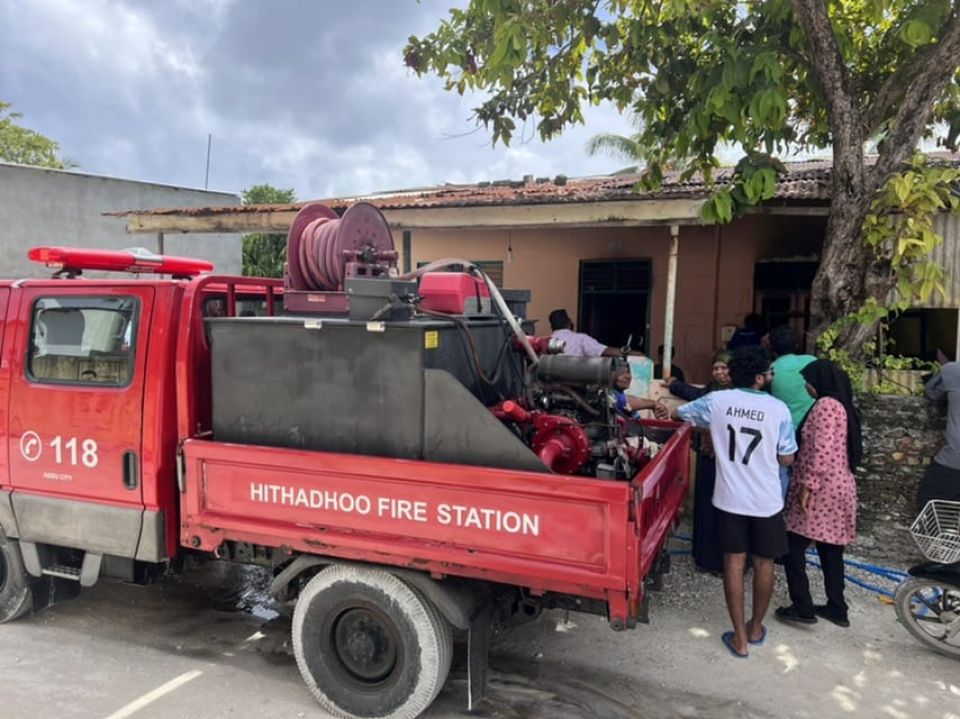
[[181, 648]]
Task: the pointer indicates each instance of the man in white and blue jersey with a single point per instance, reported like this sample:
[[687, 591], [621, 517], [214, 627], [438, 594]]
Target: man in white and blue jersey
[[752, 435]]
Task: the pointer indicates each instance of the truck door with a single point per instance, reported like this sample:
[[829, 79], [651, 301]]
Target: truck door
[[4, 388], [76, 406]]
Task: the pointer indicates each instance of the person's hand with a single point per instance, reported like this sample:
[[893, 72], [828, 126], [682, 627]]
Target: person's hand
[[660, 410], [804, 499], [942, 357]]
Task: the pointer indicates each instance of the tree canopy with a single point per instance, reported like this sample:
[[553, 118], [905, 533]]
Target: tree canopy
[[23, 146], [771, 76], [265, 254]]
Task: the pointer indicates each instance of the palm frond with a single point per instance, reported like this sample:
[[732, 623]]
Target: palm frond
[[619, 146]]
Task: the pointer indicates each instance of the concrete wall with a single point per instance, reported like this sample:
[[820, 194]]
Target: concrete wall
[[53, 207], [714, 275]]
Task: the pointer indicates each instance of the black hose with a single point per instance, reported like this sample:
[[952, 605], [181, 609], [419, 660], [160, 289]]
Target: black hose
[[471, 344]]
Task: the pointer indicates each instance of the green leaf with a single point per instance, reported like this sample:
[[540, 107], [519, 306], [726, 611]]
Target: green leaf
[[724, 206], [916, 33], [22, 146]]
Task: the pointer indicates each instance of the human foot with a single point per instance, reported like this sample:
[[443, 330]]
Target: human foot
[[792, 615]]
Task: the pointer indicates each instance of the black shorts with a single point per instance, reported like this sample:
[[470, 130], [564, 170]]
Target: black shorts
[[761, 536]]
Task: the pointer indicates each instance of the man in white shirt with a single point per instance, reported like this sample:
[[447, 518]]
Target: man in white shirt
[[752, 435], [578, 344]]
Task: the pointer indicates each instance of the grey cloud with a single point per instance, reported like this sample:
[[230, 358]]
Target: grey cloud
[[306, 95]]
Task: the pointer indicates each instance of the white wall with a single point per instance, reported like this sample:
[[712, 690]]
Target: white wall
[[55, 207]]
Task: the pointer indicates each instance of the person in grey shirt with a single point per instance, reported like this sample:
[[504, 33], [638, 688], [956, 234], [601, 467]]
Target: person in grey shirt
[[942, 480]]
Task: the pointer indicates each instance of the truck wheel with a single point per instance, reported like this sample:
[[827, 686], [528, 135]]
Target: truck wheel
[[370, 645], [15, 596]]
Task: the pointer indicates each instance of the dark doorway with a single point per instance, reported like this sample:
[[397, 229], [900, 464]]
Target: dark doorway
[[782, 290], [615, 301]]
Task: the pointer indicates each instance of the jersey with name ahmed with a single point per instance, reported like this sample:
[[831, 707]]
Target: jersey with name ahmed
[[749, 429]]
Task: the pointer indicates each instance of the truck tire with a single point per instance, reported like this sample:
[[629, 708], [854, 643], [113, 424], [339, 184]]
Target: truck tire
[[16, 598], [370, 645]]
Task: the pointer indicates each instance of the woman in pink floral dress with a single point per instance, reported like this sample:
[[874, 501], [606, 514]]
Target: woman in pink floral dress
[[821, 505]]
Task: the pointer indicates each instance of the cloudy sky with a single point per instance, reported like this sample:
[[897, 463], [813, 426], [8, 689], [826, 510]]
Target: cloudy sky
[[311, 95]]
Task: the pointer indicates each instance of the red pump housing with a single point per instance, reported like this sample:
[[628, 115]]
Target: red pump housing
[[452, 292], [559, 441]]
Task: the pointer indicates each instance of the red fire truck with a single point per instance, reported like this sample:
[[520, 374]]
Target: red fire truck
[[410, 463]]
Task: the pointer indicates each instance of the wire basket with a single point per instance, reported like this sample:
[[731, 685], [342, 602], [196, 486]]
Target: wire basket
[[936, 530]]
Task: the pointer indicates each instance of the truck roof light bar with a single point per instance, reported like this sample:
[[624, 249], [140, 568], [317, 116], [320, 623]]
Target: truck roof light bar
[[73, 260]]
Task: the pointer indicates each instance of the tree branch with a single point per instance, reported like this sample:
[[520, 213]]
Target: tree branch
[[840, 93], [919, 98], [905, 77]]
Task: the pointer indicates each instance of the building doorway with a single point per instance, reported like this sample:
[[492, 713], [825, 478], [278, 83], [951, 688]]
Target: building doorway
[[615, 301], [782, 293]]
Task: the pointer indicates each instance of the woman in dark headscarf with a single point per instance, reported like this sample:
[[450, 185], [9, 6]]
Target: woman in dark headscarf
[[719, 379], [822, 501], [706, 550]]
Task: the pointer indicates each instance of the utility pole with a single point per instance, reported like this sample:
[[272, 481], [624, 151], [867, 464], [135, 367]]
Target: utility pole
[[206, 177]]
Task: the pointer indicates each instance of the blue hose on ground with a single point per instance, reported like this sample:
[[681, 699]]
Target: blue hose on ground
[[858, 582], [893, 575]]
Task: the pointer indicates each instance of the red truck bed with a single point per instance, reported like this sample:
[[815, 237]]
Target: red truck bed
[[571, 535]]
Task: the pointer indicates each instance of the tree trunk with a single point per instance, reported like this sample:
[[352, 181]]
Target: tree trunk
[[840, 286], [849, 273]]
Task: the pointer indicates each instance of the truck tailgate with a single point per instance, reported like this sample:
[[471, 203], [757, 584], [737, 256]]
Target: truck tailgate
[[542, 531]]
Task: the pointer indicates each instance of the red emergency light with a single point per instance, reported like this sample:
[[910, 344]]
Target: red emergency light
[[73, 259]]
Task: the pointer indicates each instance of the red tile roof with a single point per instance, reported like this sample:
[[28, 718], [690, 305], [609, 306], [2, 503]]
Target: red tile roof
[[807, 182]]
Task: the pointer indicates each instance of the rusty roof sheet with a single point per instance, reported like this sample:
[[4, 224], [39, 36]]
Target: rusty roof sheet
[[806, 182]]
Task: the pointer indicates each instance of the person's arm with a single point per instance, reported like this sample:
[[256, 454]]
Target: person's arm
[[947, 381], [696, 412], [640, 403], [688, 392], [934, 388], [617, 352], [786, 440]]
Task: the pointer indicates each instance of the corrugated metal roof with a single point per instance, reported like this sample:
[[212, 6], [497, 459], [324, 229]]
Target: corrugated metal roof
[[807, 182], [947, 255]]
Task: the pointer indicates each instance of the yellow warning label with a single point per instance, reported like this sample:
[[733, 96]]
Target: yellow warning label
[[431, 340]]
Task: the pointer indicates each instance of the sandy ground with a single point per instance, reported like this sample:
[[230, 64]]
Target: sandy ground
[[103, 654], [677, 665]]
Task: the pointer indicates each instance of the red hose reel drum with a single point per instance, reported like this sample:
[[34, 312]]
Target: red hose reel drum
[[320, 243]]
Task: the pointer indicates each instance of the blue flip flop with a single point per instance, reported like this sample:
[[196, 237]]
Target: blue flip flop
[[761, 640], [727, 639]]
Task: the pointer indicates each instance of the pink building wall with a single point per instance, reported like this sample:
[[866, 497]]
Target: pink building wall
[[714, 275]]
